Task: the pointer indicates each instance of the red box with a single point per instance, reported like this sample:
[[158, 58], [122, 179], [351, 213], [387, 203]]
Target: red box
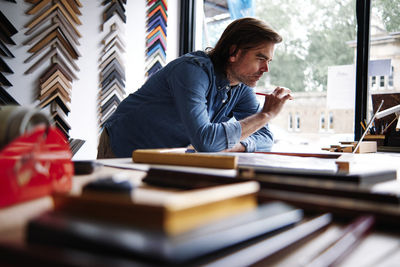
[[35, 164]]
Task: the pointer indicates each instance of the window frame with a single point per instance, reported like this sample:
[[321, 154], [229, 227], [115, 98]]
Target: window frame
[[363, 13]]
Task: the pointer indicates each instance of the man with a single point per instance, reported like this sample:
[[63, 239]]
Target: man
[[193, 99]]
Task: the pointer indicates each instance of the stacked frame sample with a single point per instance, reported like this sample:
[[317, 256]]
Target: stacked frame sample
[[112, 70], [53, 41]]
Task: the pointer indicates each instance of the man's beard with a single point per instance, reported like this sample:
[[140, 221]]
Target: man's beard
[[250, 80]]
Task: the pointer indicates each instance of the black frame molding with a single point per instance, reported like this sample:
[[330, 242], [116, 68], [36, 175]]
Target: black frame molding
[[187, 26]]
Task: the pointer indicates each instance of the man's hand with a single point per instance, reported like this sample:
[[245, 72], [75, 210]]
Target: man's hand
[[274, 102], [272, 106]]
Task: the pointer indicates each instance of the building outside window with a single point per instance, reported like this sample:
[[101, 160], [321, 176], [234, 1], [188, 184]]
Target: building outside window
[[385, 45]]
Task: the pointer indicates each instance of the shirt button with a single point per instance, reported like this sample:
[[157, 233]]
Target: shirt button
[[227, 87]]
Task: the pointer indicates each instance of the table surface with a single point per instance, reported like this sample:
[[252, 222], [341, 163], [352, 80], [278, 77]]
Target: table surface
[[379, 248]]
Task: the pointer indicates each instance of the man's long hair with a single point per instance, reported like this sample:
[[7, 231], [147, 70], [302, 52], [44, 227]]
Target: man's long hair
[[244, 33]]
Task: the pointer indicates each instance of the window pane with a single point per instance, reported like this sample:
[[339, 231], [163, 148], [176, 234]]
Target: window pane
[[290, 122], [322, 122], [315, 60], [384, 52]]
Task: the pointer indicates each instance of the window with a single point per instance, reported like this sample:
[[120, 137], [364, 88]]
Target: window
[[297, 119], [382, 82], [316, 59], [330, 122], [322, 122], [373, 82], [390, 80], [290, 122]]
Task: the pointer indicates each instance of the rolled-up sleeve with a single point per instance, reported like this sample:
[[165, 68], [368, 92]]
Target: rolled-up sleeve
[[233, 132], [262, 140]]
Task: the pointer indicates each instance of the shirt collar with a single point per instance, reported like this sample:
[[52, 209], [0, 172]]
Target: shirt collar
[[222, 82]]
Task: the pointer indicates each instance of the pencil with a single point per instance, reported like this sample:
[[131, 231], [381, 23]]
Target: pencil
[[258, 93]]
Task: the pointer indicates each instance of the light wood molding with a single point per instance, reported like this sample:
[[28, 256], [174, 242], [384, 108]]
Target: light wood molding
[[39, 5], [60, 100], [50, 28], [50, 85], [55, 67], [48, 55], [63, 20], [75, 6], [33, 1], [57, 87], [65, 43], [48, 12], [78, 3], [55, 43], [56, 74], [58, 59]]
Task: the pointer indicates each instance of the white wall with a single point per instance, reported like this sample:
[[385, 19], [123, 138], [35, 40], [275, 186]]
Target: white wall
[[83, 116]]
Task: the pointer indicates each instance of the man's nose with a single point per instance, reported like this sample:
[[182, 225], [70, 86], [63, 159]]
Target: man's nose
[[265, 67]]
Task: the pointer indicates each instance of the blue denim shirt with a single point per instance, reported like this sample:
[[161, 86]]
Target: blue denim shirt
[[185, 103]]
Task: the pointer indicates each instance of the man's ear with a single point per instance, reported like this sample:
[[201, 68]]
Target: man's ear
[[233, 51]]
